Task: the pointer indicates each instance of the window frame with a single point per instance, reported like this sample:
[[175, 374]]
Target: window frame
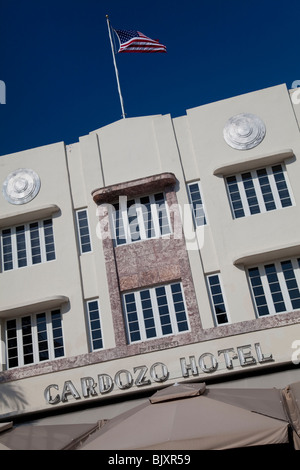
[[80, 235], [269, 292], [14, 236], [212, 299], [157, 319], [258, 192], [36, 338], [123, 210], [90, 328], [196, 217]]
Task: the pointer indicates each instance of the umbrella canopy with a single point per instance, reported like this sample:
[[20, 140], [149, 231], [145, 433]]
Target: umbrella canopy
[[5, 427], [189, 417], [291, 396], [47, 437]]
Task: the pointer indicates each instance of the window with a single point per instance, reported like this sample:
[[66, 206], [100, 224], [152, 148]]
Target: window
[[258, 191], [275, 286], [83, 231], [34, 338], [217, 299], [94, 325], [26, 245], [140, 219], [197, 204], [156, 312]]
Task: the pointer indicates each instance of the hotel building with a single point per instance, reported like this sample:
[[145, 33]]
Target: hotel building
[[153, 251]]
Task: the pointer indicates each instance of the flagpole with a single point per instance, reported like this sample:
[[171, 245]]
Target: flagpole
[[116, 70]]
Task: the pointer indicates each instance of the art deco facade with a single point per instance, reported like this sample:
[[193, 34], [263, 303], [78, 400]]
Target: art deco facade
[[153, 251]]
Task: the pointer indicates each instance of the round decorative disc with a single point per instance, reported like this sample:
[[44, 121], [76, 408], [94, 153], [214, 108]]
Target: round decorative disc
[[21, 186], [244, 131]]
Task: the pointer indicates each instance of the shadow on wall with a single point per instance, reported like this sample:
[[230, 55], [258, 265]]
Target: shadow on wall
[[11, 399]]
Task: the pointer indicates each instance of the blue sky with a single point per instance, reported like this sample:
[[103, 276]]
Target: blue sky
[[57, 64]]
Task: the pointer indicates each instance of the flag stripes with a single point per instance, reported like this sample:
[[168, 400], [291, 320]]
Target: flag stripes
[[135, 41]]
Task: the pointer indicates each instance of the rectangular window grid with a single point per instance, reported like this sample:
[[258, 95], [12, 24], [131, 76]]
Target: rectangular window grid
[[155, 312], [217, 299], [34, 338], [140, 219], [27, 245], [195, 197], [94, 325], [275, 286], [83, 231], [258, 191]]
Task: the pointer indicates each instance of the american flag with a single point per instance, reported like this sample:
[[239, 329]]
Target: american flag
[[135, 41]]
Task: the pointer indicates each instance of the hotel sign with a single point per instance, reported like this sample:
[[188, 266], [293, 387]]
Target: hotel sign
[[159, 372]]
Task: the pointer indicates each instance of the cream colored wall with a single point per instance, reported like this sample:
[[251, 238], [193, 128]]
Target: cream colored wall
[[128, 150], [86, 174], [227, 239], [193, 147], [55, 278], [135, 148]]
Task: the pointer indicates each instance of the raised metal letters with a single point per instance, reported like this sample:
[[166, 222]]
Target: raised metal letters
[[212, 360], [88, 386], [261, 357], [128, 379], [158, 372], [48, 396], [191, 366], [141, 378], [106, 383], [69, 389], [245, 357], [164, 372], [228, 359]]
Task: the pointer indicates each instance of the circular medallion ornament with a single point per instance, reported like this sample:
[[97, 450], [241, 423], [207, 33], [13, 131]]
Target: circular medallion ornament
[[244, 131], [21, 186]]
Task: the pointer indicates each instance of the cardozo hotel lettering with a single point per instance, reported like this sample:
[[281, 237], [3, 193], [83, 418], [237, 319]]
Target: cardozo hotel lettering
[[159, 372]]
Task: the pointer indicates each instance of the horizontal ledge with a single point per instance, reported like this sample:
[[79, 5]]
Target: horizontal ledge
[[38, 305], [254, 162], [267, 256], [30, 215], [133, 188]]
